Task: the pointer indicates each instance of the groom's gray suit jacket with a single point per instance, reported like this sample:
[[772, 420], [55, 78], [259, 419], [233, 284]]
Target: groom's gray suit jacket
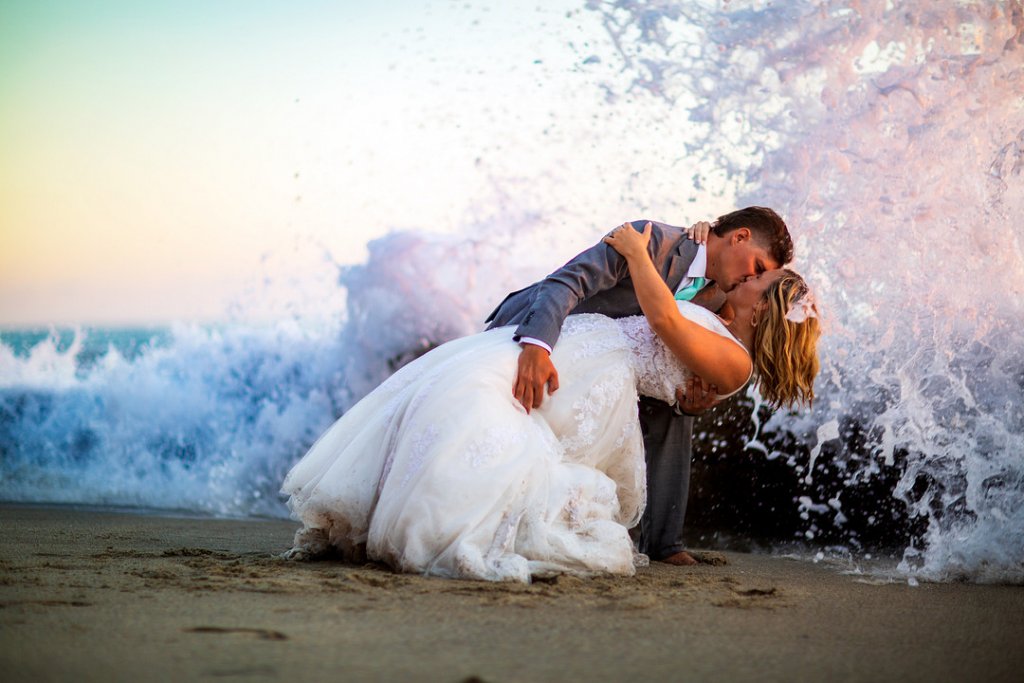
[[597, 281]]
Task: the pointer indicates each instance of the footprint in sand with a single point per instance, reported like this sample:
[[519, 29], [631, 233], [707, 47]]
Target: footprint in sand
[[747, 597], [262, 633], [47, 603]]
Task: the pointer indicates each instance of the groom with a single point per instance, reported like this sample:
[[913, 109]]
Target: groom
[[742, 244]]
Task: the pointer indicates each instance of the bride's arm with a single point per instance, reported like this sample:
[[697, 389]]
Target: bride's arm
[[709, 355]]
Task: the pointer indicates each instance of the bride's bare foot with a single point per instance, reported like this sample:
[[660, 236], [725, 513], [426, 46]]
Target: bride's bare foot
[[680, 559]]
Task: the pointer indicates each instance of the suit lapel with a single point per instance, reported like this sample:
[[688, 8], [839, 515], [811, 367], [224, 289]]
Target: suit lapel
[[679, 262], [711, 298]]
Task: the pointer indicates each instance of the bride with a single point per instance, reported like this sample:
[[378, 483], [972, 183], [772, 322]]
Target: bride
[[440, 470]]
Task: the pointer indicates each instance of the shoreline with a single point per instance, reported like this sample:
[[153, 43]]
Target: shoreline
[[104, 594], [880, 563]]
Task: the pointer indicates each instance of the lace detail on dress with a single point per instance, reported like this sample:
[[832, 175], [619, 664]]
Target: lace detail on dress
[[588, 407], [421, 445], [593, 344], [494, 440], [658, 371], [630, 428], [572, 508]]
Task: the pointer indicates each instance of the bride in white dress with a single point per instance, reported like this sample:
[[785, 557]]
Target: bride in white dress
[[441, 471]]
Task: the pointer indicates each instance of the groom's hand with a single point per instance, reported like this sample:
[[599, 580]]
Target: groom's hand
[[696, 397], [535, 370]]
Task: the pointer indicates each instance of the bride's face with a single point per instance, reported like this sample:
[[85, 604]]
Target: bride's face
[[747, 294]]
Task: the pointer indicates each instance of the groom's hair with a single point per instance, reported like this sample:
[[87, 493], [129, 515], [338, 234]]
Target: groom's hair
[[767, 228]]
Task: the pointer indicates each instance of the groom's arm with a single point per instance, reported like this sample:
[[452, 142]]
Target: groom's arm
[[696, 398], [594, 270]]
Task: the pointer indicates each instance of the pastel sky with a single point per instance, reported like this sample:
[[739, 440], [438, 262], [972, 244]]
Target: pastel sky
[[151, 153]]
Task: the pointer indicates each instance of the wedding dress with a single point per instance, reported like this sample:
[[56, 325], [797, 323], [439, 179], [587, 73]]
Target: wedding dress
[[441, 471]]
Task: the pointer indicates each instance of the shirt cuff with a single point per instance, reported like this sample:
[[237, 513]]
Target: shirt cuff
[[535, 342]]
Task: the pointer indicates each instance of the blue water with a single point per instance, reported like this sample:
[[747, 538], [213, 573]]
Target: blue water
[[95, 342]]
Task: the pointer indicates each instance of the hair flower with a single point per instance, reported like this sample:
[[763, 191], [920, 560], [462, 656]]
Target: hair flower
[[802, 308]]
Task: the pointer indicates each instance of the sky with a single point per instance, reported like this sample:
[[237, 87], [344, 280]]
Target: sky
[[153, 154]]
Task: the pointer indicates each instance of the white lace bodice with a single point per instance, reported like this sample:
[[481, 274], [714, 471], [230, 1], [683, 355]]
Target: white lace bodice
[[658, 371]]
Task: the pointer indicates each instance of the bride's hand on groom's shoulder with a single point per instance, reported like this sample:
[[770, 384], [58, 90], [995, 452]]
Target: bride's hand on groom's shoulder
[[627, 241], [699, 231]]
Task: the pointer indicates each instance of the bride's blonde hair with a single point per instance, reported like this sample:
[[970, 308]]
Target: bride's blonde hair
[[785, 345]]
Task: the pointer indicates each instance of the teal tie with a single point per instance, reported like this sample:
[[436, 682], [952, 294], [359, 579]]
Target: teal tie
[[689, 291]]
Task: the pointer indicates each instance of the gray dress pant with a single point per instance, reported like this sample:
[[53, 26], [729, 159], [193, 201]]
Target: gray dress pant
[[668, 444]]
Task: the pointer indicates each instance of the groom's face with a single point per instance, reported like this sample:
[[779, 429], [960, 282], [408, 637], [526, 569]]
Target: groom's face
[[740, 259]]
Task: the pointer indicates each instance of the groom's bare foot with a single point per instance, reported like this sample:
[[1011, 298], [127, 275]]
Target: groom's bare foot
[[680, 559]]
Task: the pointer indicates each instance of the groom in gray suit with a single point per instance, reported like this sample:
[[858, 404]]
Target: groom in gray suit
[[741, 244]]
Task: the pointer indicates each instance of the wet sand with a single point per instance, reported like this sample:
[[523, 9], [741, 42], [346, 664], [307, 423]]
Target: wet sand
[[90, 595]]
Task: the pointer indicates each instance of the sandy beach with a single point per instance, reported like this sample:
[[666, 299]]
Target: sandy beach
[[94, 595]]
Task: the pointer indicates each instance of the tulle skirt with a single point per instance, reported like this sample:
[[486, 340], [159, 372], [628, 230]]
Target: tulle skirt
[[440, 470]]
